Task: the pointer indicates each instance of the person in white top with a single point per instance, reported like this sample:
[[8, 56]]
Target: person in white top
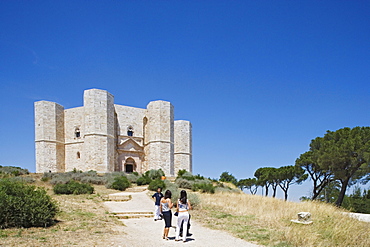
[[183, 207], [165, 207]]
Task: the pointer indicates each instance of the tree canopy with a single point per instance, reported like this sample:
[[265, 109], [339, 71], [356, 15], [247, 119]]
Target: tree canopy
[[344, 153], [248, 183], [288, 175], [228, 177], [267, 176]]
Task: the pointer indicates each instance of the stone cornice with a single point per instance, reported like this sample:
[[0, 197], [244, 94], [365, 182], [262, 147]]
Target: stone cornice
[[159, 141], [96, 134], [130, 151], [78, 142], [52, 141]]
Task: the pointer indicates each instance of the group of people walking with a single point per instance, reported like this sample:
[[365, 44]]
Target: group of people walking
[[163, 205]]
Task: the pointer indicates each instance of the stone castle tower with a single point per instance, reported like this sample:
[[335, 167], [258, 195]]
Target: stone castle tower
[[106, 137]]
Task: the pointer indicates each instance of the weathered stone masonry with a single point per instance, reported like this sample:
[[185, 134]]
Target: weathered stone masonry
[[106, 137]]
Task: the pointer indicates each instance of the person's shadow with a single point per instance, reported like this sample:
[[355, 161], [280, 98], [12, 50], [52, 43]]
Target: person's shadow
[[187, 239]]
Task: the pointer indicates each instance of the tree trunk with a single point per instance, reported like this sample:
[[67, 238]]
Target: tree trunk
[[315, 195], [274, 192], [267, 191], [318, 188], [342, 192], [286, 195]]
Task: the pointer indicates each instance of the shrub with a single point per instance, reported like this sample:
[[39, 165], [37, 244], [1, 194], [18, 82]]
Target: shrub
[[73, 187], [155, 184], [60, 179], [204, 187], [173, 187], [28, 180], [184, 183], [194, 200], [120, 183], [186, 175], [181, 172], [47, 176], [154, 174], [13, 170], [132, 177], [199, 177], [143, 181], [24, 205], [94, 180]]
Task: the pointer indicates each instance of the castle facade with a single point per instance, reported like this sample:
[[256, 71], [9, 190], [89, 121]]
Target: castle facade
[[107, 137]]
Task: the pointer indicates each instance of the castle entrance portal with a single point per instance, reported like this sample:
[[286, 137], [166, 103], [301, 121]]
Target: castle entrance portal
[[130, 165]]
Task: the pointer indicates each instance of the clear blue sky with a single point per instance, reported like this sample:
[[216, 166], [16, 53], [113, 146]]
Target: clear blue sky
[[257, 79]]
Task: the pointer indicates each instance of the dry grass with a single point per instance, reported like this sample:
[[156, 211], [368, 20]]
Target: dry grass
[[83, 221], [267, 221]]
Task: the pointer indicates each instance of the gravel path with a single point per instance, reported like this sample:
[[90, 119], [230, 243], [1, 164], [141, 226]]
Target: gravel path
[[147, 232]]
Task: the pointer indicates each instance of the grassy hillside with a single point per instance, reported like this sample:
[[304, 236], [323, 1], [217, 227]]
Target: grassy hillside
[[267, 221]]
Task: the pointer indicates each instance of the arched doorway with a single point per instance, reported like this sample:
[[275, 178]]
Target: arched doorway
[[130, 165]]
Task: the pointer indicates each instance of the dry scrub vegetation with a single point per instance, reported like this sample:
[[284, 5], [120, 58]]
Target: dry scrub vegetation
[[267, 221], [82, 221]]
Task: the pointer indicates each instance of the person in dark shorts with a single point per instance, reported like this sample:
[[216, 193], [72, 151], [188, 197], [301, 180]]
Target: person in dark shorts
[[165, 208], [157, 196]]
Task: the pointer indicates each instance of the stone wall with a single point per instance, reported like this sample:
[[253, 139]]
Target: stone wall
[[183, 146], [129, 116], [159, 137], [99, 143], [49, 137], [74, 145]]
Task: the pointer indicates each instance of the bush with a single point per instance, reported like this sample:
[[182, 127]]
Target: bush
[[194, 200], [204, 187], [184, 183], [60, 179], [73, 187], [174, 188], [85, 177], [185, 175], [143, 181], [94, 180], [132, 177], [28, 180], [13, 170], [24, 205], [120, 183], [154, 174], [155, 184], [181, 172]]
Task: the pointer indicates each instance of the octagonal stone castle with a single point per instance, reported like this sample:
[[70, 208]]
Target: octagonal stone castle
[[107, 137]]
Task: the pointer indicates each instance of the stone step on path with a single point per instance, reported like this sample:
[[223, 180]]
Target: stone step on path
[[119, 198], [132, 208], [126, 195], [137, 189], [134, 215]]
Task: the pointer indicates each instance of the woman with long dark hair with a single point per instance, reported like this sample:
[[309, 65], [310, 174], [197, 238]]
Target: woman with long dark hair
[[165, 208], [183, 206]]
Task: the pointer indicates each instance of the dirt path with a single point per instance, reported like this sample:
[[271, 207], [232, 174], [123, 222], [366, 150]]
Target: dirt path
[[144, 231]]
